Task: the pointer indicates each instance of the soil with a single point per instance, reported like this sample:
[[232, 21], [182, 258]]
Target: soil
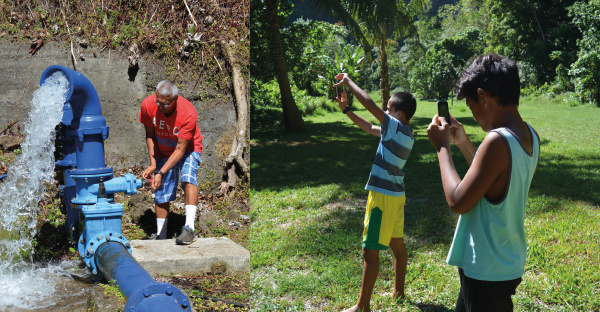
[[214, 291]]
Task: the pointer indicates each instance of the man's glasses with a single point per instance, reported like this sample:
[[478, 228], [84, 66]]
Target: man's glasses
[[161, 104]]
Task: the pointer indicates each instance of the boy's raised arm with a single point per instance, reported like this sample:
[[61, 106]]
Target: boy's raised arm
[[360, 95], [362, 123]]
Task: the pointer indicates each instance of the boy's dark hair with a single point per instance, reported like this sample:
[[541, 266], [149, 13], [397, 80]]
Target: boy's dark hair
[[405, 102], [493, 73]]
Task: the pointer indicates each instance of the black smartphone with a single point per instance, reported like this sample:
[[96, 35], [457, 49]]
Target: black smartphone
[[443, 110]]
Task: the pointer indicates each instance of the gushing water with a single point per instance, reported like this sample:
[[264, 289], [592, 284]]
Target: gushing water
[[20, 280]]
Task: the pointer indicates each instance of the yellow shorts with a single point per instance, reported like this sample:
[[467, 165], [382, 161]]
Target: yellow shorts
[[384, 219]]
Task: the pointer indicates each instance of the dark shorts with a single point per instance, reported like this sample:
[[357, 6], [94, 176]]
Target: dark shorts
[[478, 296]]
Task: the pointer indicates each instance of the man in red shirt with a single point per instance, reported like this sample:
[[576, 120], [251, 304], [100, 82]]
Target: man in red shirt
[[174, 146]]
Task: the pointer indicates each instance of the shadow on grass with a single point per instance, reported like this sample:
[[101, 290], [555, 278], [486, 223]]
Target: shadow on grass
[[433, 308], [335, 233], [325, 153], [340, 153], [575, 178]]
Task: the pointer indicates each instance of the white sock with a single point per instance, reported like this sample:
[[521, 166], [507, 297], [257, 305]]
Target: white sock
[[161, 228], [190, 215]]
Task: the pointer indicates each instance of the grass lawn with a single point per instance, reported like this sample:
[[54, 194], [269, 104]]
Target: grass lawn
[[307, 207]]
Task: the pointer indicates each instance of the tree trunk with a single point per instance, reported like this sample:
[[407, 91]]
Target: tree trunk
[[533, 10], [292, 117], [235, 162], [239, 145], [385, 75]]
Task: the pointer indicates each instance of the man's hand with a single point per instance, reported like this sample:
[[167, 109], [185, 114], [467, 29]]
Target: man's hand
[[149, 173], [438, 133], [157, 181]]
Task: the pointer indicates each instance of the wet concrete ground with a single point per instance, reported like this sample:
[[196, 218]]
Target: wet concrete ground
[[70, 294], [78, 291]]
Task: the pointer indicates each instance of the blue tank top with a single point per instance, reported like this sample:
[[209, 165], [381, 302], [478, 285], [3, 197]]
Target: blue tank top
[[489, 242]]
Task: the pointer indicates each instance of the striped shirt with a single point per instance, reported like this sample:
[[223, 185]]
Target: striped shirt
[[387, 176]]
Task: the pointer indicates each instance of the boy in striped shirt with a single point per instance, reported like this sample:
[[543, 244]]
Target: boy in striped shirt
[[384, 217]]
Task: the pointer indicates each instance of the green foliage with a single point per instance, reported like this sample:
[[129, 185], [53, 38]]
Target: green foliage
[[261, 62], [310, 49], [310, 105], [538, 35], [323, 68], [350, 60], [401, 62], [133, 231], [455, 18], [112, 290], [530, 32], [314, 52], [265, 105], [586, 70], [54, 215], [209, 183], [434, 75]]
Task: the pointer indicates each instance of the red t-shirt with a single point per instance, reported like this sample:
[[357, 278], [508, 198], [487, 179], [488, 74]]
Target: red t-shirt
[[181, 124]]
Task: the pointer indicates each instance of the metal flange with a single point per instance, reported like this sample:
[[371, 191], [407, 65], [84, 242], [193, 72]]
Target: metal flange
[[87, 250], [158, 297]]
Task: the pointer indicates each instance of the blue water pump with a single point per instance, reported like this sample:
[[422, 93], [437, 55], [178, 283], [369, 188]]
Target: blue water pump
[[89, 188]]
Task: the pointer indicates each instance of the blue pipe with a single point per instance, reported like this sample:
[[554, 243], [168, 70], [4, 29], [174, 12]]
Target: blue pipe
[[2, 176], [90, 187], [86, 121], [140, 289], [83, 118]]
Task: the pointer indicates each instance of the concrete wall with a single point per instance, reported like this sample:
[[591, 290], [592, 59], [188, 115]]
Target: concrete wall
[[120, 98]]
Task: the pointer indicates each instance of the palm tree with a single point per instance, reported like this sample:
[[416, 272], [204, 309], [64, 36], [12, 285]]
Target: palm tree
[[292, 117], [373, 22]]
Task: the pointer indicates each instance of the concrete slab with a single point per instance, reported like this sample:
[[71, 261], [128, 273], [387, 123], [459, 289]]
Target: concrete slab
[[204, 255]]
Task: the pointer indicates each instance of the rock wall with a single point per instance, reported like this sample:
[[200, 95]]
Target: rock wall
[[121, 94]]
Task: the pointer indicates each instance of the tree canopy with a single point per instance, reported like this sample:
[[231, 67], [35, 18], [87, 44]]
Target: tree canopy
[[422, 46]]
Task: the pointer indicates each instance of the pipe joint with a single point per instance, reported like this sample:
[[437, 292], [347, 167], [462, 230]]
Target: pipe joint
[[88, 247], [158, 297], [83, 132]]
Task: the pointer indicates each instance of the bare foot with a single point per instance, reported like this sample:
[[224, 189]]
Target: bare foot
[[398, 295], [393, 295]]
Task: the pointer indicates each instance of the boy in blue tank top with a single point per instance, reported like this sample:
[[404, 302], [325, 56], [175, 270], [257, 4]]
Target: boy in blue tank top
[[489, 246], [384, 217]]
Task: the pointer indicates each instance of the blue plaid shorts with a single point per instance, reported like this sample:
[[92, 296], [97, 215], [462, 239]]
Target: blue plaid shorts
[[187, 167]]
